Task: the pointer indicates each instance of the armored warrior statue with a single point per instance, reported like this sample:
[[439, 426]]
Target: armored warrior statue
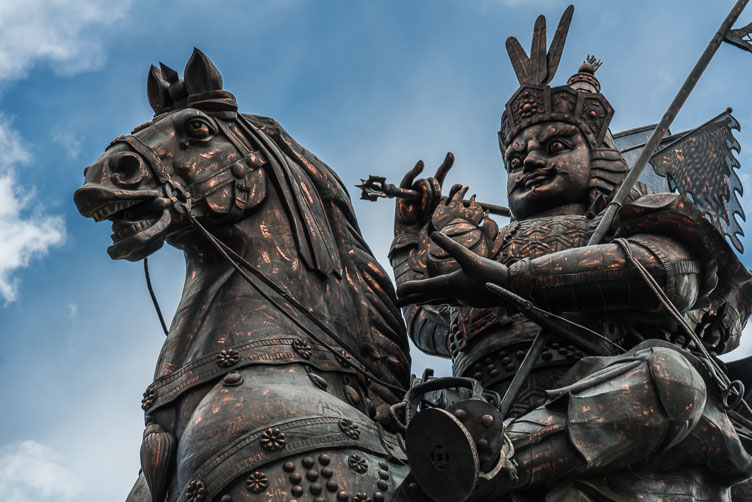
[[625, 399]]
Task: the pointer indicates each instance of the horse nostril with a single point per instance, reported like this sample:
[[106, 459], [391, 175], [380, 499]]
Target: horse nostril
[[127, 170]]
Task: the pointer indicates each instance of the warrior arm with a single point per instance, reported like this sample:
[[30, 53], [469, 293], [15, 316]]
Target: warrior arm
[[601, 278], [587, 279], [427, 325]]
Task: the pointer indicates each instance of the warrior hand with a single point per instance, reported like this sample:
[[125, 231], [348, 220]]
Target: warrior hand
[[466, 223], [413, 215], [466, 286]]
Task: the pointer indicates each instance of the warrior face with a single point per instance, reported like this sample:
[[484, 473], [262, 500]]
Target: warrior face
[[549, 170]]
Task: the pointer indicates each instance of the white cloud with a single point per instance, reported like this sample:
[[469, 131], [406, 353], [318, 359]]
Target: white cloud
[[25, 232], [70, 142], [31, 471], [61, 32]]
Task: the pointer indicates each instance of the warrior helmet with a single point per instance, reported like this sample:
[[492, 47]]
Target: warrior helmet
[[579, 102]]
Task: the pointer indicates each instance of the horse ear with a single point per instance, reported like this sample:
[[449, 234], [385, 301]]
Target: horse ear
[[201, 75], [157, 90], [169, 74]]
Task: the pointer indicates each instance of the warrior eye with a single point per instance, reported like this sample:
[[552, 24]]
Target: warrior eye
[[197, 128], [557, 146]]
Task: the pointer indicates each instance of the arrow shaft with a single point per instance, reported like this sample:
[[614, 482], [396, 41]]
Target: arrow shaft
[[391, 190]]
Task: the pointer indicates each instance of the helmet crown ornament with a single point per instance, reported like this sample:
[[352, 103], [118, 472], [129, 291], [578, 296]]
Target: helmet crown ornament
[[579, 102]]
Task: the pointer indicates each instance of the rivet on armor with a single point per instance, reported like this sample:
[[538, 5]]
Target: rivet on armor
[[510, 367], [273, 439], [239, 170], [383, 474], [491, 367], [482, 444], [343, 496], [302, 347], [546, 355], [226, 498], [506, 360], [494, 372], [332, 485], [378, 497], [318, 380], [196, 491], [357, 463], [149, 396], [315, 489], [361, 497], [297, 490], [324, 459], [383, 465], [520, 355], [383, 485], [349, 428], [344, 359], [487, 420], [288, 467], [312, 475], [232, 379], [327, 472], [307, 462], [295, 478], [228, 357], [477, 375], [460, 414], [257, 482], [352, 395]]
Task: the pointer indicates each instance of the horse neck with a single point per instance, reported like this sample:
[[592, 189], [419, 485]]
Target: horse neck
[[217, 298]]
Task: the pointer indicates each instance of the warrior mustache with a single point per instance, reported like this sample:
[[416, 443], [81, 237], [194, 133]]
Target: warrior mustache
[[521, 179]]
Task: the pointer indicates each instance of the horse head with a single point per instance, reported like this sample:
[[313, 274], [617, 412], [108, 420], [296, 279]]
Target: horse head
[[191, 159]]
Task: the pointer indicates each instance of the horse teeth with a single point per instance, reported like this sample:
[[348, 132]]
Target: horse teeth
[[112, 208]]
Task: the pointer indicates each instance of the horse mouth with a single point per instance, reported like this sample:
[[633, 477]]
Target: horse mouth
[[134, 239], [140, 219]]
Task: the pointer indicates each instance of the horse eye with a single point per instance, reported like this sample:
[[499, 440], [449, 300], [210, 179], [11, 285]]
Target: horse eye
[[198, 129]]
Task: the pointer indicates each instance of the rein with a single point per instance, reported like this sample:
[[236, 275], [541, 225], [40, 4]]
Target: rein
[[182, 198]]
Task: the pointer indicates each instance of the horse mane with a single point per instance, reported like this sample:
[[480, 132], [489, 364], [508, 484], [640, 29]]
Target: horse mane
[[384, 343]]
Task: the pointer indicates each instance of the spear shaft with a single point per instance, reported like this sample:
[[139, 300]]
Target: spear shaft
[[665, 123]]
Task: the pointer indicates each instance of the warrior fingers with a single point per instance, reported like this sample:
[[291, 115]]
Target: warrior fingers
[[465, 257], [453, 191], [407, 181], [444, 168]]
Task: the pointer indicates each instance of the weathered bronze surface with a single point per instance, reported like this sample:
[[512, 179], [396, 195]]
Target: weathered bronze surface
[[585, 368], [604, 351], [287, 348]]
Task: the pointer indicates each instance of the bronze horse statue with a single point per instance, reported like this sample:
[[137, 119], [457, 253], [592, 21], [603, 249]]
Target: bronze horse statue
[[287, 347]]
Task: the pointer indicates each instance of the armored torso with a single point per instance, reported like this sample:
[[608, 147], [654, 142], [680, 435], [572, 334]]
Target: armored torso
[[489, 343]]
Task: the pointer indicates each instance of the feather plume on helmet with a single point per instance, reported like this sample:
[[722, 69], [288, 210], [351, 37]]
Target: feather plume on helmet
[[579, 103]]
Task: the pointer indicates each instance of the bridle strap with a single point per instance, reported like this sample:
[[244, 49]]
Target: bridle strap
[[184, 207]]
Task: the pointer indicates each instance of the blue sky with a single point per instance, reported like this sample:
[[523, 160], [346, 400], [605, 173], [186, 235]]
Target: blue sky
[[368, 86]]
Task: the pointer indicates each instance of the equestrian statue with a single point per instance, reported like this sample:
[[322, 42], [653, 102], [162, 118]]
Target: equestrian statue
[[287, 347], [584, 334]]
